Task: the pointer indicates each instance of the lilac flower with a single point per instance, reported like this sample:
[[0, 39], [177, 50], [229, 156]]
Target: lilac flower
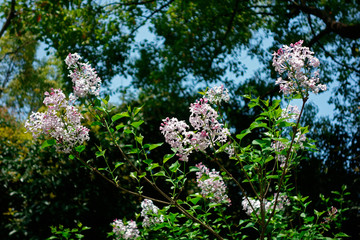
[[61, 121], [297, 61], [331, 215], [218, 94], [255, 203], [212, 185], [55, 99], [204, 118], [278, 147], [84, 78], [290, 113], [122, 231], [176, 134], [150, 212], [300, 139]]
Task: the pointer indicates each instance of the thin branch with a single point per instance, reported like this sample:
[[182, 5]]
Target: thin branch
[[11, 15], [93, 169], [129, 3], [151, 15], [286, 164], [344, 30], [316, 39], [239, 185], [171, 201]]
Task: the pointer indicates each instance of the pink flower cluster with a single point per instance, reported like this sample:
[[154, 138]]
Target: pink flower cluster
[[122, 231], [207, 132], [282, 202], [290, 113], [84, 78], [212, 185], [176, 134], [331, 215], [150, 212], [61, 121], [280, 146], [204, 118], [218, 94], [297, 61]]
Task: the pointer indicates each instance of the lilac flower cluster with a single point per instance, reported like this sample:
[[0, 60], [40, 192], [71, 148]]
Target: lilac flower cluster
[[203, 119], [282, 202], [297, 61], [218, 94], [62, 122], [150, 212], [85, 78], [176, 134], [331, 215], [212, 185], [278, 147], [290, 113], [122, 231]]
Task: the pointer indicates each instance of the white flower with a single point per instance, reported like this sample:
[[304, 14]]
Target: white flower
[[150, 212]]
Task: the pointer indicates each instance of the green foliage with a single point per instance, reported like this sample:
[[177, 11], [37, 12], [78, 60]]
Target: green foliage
[[66, 233]]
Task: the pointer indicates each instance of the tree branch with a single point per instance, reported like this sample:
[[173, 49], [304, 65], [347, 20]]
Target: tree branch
[[344, 30], [151, 15], [11, 15], [130, 3], [316, 39]]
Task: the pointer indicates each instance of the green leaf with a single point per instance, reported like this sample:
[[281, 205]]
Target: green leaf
[[133, 175], [139, 139], [148, 161], [134, 151], [243, 134], [137, 110], [195, 200], [137, 124], [161, 173], [152, 166], [155, 145], [167, 157], [257, 125], [48, 143], [119, 126], [97, 123], [106, 99], [80, 148], [119, 115], [272, 176], [193, 169], [100, 153], [118, 165], [97, 103], [262, 142], [341, 234], [317, 213], [175, 166], [128, 131]]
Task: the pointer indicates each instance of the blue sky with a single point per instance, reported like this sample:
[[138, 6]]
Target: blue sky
[[320, 100]]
